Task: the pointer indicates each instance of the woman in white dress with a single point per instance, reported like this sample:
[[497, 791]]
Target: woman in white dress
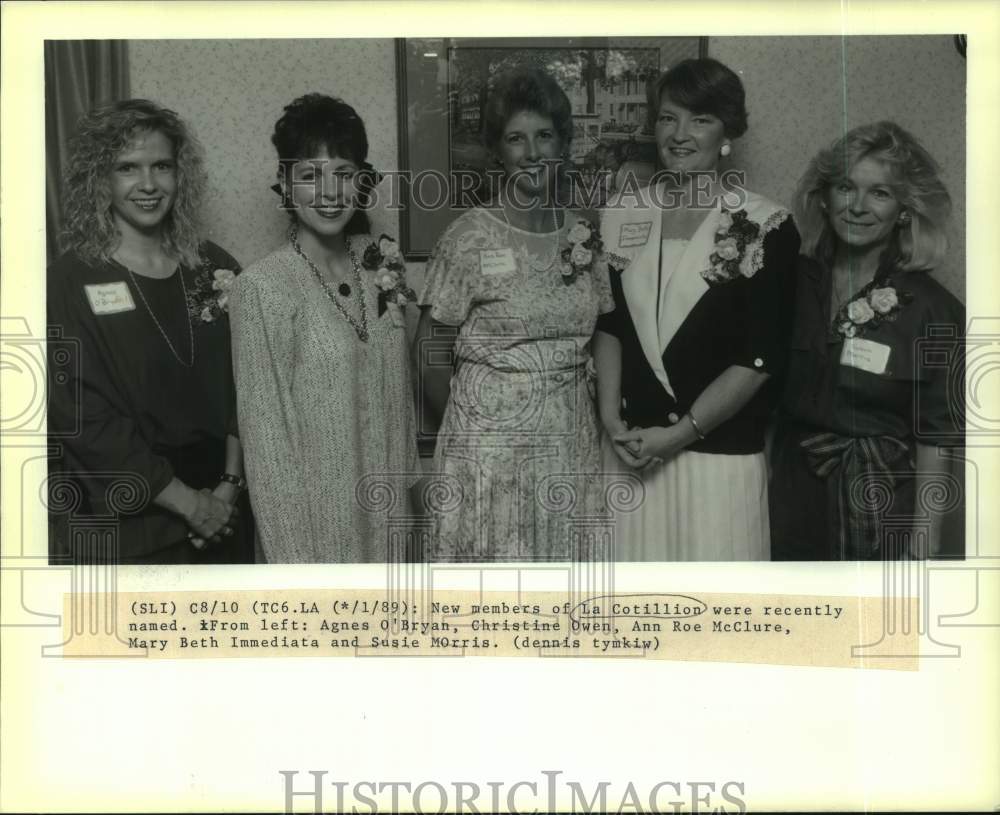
[[701, 273], [319, 346]]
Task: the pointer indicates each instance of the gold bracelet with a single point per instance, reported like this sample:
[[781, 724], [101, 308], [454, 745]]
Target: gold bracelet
[[694, 424]]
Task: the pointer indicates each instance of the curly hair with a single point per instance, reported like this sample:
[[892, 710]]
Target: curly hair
[[527, 90], [316, 121], [101, 136], [920, 244]]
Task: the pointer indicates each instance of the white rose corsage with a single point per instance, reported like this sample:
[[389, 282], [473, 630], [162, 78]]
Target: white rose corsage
[[384, 258], [584, 246], [735, 232], [876, 303], [208, 299]]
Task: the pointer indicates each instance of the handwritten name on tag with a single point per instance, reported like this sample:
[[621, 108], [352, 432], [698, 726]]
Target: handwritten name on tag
[[636, 234], [497, 261], [109, 298], [865, 355]]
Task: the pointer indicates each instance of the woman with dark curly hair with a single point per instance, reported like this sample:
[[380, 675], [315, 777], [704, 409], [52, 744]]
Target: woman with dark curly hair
[[875, 377], [150, 401], [514, 288], [321, 357]]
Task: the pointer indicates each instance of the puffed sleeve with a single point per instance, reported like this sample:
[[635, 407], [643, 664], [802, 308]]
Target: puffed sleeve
[[86, 402], [611, 309], [602, 285], [612, 321], [448, 283], [218, 257], [769, 301], [940, 363], [262, 317]]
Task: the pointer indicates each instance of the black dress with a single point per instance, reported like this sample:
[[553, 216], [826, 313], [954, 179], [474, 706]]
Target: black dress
[[129, 410], [843, 459]]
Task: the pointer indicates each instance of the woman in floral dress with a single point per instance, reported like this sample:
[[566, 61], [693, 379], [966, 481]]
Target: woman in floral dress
[[513, 290], [321, 359], [875, 377]]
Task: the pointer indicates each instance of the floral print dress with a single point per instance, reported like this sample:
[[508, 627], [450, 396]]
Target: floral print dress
[[518, 449]]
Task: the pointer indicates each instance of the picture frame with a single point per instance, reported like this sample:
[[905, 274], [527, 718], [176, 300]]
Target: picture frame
[[443, 84]]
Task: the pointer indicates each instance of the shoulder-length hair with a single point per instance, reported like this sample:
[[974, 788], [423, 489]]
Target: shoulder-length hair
[[101, 136], [921, 243]]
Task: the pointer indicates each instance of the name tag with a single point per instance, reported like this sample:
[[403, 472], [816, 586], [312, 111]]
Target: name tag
[[865, 355], [634, 234], [497, 261], [109, 298]]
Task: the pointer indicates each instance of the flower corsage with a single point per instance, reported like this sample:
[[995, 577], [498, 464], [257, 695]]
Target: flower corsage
[[584, 245], [384, 258], [878, 302], [732, 237], [208, 299]]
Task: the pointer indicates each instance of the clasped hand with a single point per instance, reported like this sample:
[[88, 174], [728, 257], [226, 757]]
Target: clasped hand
[[212, 514], [642, 446]]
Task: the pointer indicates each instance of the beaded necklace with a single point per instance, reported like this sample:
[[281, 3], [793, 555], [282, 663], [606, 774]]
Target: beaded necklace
[[361, 329]]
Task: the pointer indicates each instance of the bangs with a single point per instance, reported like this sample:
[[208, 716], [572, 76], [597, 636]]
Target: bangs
[[336, 145]]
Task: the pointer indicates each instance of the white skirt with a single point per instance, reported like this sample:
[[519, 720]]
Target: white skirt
[[697, 506]]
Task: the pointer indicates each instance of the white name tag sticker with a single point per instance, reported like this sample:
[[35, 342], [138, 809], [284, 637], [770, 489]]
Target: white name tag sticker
[[634, 234], [865, 355], [109, 298], [497, 261]]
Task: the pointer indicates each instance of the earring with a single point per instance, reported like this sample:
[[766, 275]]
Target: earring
[[725, 150], [904, 218]]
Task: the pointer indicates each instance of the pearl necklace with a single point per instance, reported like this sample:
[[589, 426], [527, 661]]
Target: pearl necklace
[[360, 329], [533, 264], [156, 322]]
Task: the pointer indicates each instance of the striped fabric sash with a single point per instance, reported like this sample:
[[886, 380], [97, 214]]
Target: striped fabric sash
[[863, 466]]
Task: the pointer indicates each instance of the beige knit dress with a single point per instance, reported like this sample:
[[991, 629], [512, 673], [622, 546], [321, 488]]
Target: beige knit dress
[[326, 420]]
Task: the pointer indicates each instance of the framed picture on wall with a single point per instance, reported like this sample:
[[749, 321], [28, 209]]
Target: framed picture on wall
[[443, 87]]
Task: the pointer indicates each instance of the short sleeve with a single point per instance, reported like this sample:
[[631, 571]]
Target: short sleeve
[[602, 286], [769, 301], [612, 321], [940, 359], [447, 279]]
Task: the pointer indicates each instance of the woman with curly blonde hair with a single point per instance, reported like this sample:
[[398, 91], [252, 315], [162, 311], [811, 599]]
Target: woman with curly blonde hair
[[143, 301], [874, 385]]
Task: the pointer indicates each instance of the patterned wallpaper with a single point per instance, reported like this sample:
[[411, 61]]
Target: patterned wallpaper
[[802, 93], [233, 91]]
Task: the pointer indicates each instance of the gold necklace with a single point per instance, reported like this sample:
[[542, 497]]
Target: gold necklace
[[360, 329], [510, 235], [156, 322]]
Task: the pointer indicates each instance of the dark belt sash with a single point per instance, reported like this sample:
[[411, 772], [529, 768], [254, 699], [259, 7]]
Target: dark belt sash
[[865, 461]]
